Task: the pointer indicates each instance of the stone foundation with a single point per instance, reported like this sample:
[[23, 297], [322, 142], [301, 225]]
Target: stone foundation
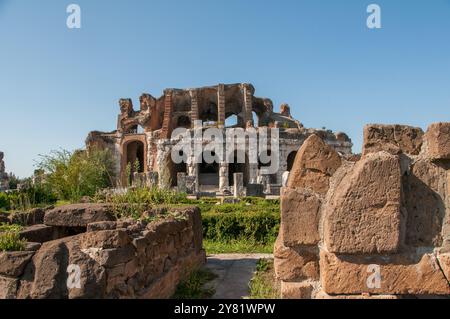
[[105, 258], [371, 227]]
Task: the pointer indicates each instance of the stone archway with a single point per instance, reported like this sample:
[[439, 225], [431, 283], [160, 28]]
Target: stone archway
[[134, 157]]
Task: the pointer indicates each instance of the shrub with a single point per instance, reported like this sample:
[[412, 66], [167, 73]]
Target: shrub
[[74, 175], [258, 223], [4, 201], [11, 241]]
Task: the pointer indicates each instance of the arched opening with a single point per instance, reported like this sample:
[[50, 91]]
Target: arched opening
[[255, 119], [135, 159], [210, 114], [178, 168], [236, 167], [261, 164], [291, 160], [209, 174], [184, 121], [232, 121]]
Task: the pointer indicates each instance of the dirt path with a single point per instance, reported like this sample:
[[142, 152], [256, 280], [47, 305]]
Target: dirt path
[[234, 273]]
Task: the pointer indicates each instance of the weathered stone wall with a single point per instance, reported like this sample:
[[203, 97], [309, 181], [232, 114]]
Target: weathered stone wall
[[111, 259], [371, 227]]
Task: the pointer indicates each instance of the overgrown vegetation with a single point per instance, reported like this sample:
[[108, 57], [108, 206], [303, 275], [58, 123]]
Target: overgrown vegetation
[[10, 228], [264, 284], [30, 196], [73, 175], [195, 286], [134, 202], [11, 241]]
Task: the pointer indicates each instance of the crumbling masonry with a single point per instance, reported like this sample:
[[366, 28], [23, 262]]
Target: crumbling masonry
[[371, 227], [144, 137]]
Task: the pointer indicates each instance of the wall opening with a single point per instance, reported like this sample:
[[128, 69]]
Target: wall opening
[[236, 167], [178, 168], [291, 160], [184, 121], [135, 158], [209, 173]]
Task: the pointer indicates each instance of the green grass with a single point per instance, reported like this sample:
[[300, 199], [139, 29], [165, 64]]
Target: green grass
[[10, 228], [264, 285], [236, 246], [194, 286], [11, 241]]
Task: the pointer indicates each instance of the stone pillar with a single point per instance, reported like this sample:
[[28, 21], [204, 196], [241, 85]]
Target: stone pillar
[[181, 182], [238, 185], [168, 110], [191, 185], [285, 179], [221, 105], [248, 105], [152, 179], [223, 177], [194, 107], [253, 173]]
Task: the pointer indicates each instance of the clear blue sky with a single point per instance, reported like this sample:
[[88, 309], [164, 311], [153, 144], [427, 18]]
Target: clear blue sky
[[57, 84]]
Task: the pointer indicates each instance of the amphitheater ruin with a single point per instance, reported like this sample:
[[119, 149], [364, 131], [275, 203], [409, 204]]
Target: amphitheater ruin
[[145, 136]]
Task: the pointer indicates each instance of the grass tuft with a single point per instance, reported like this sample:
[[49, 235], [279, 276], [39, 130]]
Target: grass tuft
[[194, 286], [264, 284]]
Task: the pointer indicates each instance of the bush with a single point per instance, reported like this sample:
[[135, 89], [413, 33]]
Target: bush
[[4, 201], [73, 175], [11, 241], [258, 223]]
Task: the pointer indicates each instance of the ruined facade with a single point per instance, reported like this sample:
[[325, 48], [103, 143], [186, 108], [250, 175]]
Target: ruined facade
[[371, 227], [143, 137], [4, 183]]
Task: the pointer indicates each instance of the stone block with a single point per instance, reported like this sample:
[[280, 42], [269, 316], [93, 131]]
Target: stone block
[[315, 163], [444, 263], [238, 185], [363, 216], [394, 139], [39, 233], [424, 199], [105, 239], [12, 264], [98, 226], [8, 288], [296, 291], [181, 182], [397, 274], [295, 264], [300, 216], [79, 215], [438, 141]]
